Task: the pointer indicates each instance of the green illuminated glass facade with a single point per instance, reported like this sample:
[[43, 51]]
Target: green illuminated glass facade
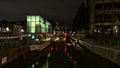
[[36, 24], [47, 27]]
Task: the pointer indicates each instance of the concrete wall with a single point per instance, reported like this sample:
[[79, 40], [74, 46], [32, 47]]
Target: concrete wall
[[107, 53], [39, 47], [9, 55]]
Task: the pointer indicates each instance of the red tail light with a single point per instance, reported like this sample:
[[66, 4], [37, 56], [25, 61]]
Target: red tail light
[[51, 48], [65, 49], [65, 34]]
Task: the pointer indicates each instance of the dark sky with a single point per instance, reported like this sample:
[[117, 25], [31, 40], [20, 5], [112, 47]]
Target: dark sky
[[58, 10]]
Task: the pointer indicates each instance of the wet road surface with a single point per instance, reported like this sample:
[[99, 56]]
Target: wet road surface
[[61, 55]]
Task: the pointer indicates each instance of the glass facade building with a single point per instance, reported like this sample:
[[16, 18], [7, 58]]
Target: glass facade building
[[36, 24]]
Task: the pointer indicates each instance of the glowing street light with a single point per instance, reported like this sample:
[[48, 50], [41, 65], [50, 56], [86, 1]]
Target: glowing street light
[[22, 30], [7, 29]]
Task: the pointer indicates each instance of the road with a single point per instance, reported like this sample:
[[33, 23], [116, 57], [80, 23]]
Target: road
[[61, 54]]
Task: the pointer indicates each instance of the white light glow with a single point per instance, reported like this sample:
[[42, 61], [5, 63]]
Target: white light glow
[[7, 29]]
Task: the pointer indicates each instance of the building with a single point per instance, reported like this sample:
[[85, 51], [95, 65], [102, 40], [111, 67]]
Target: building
[[10, 28], [11, 35], [37, 24], [104, 16], [37, 27]]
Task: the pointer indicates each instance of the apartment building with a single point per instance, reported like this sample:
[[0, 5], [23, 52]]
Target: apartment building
[[104, 16]]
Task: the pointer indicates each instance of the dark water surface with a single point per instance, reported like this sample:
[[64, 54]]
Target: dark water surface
[[61, 55]]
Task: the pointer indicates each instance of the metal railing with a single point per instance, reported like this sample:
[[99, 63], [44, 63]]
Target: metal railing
[[104, 42], [8, 43]]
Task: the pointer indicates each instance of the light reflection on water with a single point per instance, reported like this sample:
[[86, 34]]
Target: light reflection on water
[[68, 55], [33, 65], [46, 64], [37, 63]]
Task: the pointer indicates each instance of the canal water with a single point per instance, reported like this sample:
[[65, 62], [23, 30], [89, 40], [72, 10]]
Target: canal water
[[61, 55]]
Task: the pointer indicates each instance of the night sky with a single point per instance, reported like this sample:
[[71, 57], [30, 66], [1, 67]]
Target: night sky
[[59, 10]]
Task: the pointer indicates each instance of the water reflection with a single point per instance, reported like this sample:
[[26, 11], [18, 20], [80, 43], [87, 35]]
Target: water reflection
[[66, 56], [46, 64], [33, 65], [37, 63]]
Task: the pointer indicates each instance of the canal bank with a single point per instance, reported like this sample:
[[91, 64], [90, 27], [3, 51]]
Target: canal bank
[[106, 53], [12, 54]]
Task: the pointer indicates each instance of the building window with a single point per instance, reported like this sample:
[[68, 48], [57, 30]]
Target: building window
[[108, 6], [98, 6], [116, 5], [107, 18], [98, 18], [103, 18]]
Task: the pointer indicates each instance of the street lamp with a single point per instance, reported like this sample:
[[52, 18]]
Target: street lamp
[[22, 30], [7, 29]]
